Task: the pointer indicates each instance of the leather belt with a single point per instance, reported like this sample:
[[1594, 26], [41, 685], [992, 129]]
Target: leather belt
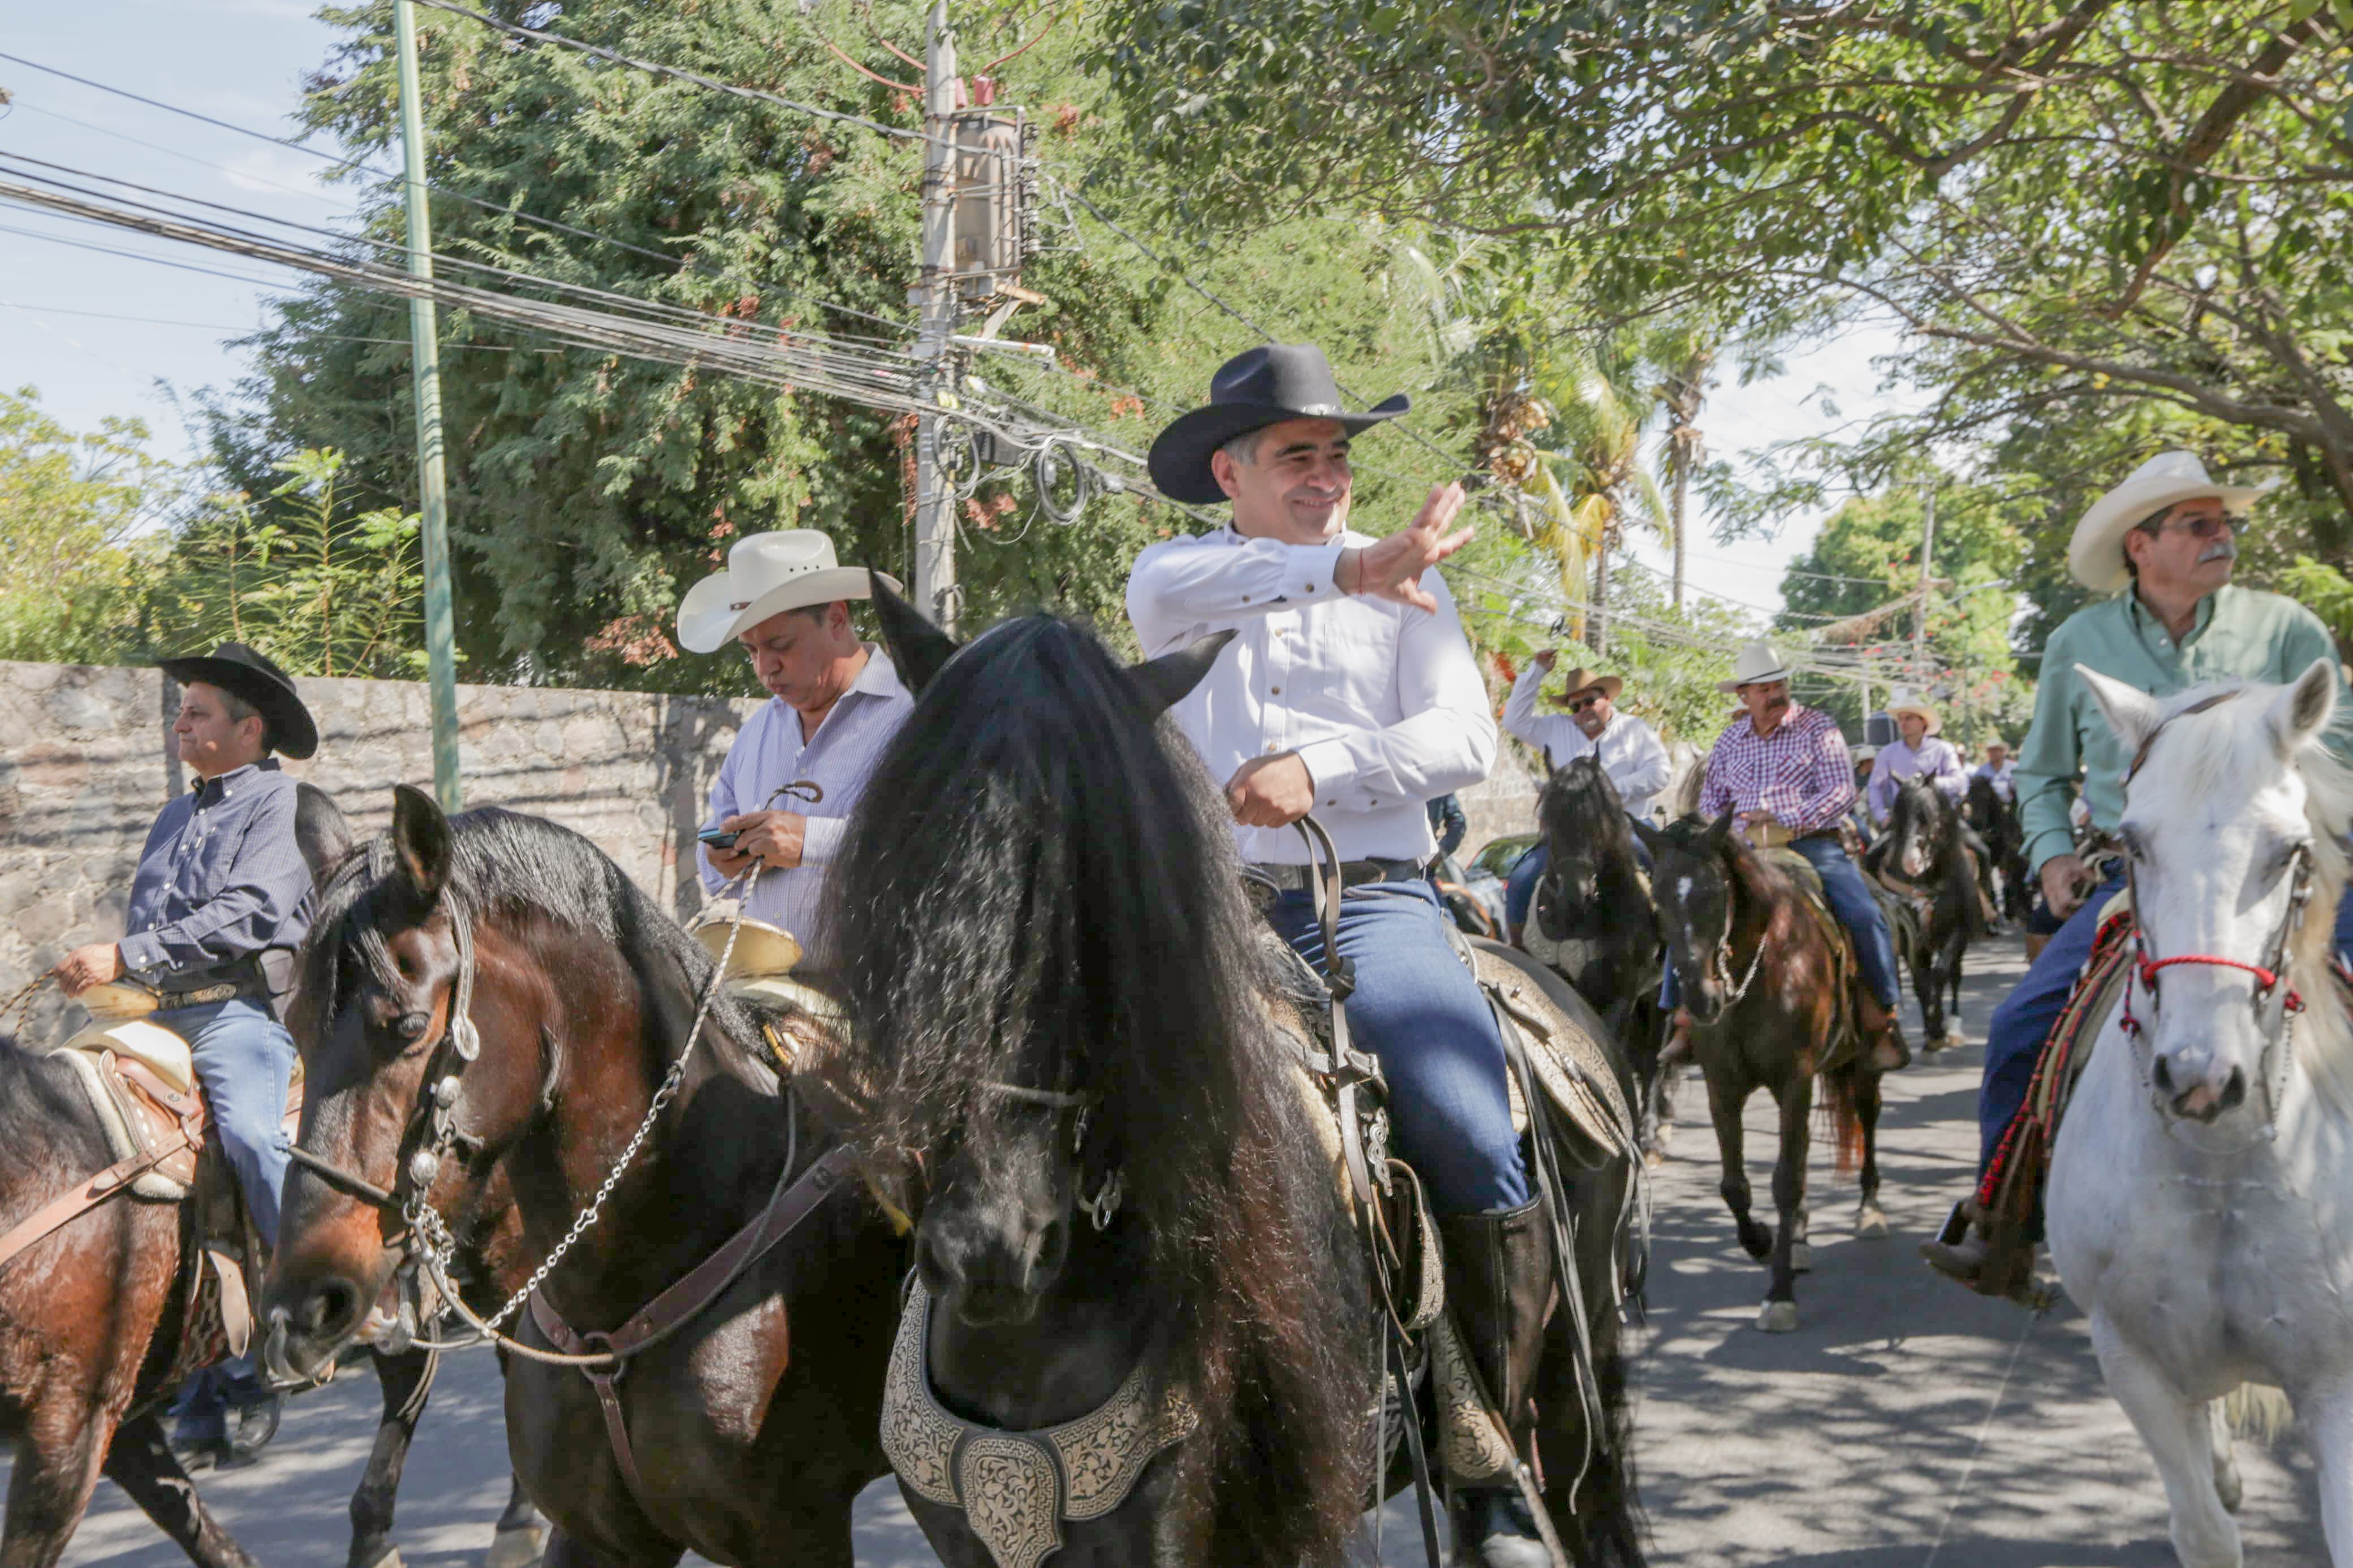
[[1352, 874], [229, 991]]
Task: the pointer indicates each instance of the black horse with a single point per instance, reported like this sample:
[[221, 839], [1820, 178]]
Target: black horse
[[1923, 853], [1993, 816], [1066, 1009], [1594, 924]]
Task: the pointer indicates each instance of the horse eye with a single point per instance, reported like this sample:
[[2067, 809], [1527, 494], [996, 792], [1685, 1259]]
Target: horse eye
[[412, 1026]]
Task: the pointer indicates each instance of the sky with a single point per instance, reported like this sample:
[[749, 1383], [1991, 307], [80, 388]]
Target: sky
[[63, 307]]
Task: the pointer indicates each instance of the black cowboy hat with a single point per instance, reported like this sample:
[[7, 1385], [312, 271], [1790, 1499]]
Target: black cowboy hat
[[1254, 389], [242, 672]]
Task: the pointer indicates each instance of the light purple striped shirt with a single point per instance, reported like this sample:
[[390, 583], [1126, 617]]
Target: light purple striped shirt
[[768, 753], [1935, 759]]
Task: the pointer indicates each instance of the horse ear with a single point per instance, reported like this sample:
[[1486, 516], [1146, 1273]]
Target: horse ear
[[420, 842], [1162, 682], [1650, 836], [2131, 713], [1548, 757], [917, 647], [321, 832], [2304, 710], [1719, 832]]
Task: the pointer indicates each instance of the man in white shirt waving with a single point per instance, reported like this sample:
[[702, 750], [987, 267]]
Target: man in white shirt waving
[[1629, 751], [1350, 692]]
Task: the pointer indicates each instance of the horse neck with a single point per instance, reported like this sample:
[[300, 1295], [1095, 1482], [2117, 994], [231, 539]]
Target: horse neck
[[709, 1165]]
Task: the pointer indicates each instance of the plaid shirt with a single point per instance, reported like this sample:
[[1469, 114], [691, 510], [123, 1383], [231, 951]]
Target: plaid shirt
[[1799, 773]]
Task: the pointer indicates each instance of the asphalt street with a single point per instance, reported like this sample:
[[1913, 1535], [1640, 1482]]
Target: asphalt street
[[1906, 1424]]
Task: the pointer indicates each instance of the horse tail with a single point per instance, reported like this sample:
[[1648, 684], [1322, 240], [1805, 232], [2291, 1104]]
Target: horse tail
[[2258, 1410], [1840, 1114]]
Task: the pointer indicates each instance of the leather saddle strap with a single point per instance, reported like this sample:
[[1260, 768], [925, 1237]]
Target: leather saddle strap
[[683, 1302], [71, 1205]]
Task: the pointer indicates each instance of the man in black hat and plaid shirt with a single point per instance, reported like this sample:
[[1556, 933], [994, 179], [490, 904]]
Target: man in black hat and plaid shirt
[[221, 878], [1348, 690]]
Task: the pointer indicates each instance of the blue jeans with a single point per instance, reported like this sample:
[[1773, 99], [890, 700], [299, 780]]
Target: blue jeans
[[245, 1059], [1520, 887], [2015, 1034], [1850, 901], [1420, 1013]]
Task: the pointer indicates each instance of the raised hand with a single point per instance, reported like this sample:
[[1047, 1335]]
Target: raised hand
[[1392, 568]]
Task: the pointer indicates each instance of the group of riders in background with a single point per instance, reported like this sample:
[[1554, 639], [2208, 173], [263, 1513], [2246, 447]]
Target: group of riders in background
[[1083, 1060]]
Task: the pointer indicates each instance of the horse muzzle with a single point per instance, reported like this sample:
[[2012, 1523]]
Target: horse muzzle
[[2198, 1091]]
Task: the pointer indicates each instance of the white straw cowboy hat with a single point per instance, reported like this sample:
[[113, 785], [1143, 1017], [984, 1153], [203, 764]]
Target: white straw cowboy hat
[[1581, 680], [2096, 555], [1760, 661], [1929, 715], [768, 573]]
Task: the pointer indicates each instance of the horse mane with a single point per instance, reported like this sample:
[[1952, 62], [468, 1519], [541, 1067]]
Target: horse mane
[[1036, 874], [2238, 768], [504, 863]]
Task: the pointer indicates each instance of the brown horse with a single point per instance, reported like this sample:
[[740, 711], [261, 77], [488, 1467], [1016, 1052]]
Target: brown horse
[[729, 1435], [1769, 983]]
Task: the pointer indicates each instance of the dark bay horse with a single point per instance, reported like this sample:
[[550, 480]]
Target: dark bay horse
[[752, 1427], [1921, 854], [1994, 816], [91, 1317], [1593, 923], [1769, 983], [1067, 1008]]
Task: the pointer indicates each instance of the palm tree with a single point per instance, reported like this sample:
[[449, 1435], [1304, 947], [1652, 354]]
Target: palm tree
[[1685, 355], [1603, 413]]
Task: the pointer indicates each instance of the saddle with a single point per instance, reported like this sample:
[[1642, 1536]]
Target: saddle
[[140, 1081], [1846, 1032]]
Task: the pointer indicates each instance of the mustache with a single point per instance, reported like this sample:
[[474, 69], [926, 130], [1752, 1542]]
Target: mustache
[[2221, 550]]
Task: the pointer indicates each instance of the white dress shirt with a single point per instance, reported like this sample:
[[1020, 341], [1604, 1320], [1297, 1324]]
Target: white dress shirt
[[1632, 753], [770, 752], [1381, 700]]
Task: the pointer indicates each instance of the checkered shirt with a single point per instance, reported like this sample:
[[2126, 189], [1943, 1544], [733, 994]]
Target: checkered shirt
[[1799, 773]]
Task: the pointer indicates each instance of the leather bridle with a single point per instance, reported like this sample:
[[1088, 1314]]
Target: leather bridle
[[1080, 1107]]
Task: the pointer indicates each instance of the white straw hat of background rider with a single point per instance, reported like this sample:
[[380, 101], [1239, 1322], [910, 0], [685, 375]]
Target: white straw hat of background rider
[[1581, 680], [1929, 715], [768, 573], [2096, 555], [1760, 661]]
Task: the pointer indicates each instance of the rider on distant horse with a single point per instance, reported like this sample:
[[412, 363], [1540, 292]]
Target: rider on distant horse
[[1783, 770], [1919, 754], [1629, 751], [836, 704], [1997, 770], [221, 878], [2167, 534], [1350, 692]]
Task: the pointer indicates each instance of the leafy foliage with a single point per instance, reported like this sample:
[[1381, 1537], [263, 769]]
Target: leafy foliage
[[79, 515]]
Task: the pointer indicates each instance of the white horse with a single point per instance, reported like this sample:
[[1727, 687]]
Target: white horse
[[2201, 1202]]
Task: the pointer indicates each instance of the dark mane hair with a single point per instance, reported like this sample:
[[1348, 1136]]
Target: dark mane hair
[[1756, 876], [504, 863], [1035, 873]]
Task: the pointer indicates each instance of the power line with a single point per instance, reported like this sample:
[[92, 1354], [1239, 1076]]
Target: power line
[[502, 209], [225, 327]]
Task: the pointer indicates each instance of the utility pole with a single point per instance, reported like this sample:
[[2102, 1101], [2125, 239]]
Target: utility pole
[[935, 564], [1927, 564], [425, 361]]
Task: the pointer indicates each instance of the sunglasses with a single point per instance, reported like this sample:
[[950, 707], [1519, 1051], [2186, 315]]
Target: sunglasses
[[1580, 704]]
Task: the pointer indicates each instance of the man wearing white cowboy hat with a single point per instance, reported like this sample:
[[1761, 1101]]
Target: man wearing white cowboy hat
[[1629, 750], [1782, 770], [1997, 770], [835, 703], [1348, 690], [2163, 543], [1919, 753]]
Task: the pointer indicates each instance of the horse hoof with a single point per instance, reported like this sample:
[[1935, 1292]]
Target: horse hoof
[[1777, 1317], [1653, 1158], [2227, 1485], [389, 1558], [518, 1548], [1871, 1224], [1801, 1260]]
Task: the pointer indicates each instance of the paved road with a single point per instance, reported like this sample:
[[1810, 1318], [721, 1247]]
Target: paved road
[[1906, 1424]]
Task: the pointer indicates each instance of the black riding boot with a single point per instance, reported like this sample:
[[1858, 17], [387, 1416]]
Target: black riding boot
[[1500, 1283]]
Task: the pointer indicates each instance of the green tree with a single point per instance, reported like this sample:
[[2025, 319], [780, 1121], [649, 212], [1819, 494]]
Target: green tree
[[81, 520], [588, 491], [319, 588]]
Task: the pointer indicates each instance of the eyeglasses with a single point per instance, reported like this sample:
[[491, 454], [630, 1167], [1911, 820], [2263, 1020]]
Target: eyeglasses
[[1579, 704], [2199, 528]]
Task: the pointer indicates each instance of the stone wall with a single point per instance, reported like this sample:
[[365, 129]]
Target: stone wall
[[86, 762]]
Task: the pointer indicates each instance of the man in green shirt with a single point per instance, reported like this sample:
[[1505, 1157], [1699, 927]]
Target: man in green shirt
[[2163, 543]]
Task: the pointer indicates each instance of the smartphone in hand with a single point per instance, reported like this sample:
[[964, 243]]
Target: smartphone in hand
[[717, 839]]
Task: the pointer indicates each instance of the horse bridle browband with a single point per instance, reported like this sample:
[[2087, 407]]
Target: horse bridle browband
[[1109, 1195]]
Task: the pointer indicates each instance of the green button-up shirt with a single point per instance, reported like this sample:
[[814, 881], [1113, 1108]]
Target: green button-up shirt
[[2242, 634]]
